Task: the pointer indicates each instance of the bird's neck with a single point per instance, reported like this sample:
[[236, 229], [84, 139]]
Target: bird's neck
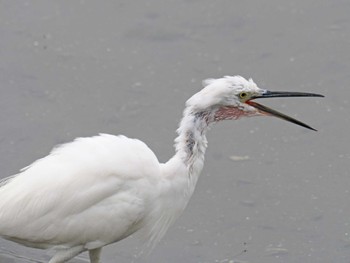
[[191, 143], [181, 172]]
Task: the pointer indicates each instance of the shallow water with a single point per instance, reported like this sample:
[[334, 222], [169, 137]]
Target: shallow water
[[71, 69]]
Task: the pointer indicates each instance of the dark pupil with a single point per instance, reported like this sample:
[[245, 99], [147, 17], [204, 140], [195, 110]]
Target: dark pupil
[[243, 95]]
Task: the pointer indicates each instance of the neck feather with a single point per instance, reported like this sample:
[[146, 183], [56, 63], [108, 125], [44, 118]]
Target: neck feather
[[191, 143], [182, 170]]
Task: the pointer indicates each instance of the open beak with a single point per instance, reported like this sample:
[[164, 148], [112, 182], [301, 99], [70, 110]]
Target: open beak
[[278, 94]]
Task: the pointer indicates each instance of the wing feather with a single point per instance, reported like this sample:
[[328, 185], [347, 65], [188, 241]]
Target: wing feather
[[86, 189]]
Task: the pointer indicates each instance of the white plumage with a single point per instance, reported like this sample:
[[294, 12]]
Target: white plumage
[[98, 190]]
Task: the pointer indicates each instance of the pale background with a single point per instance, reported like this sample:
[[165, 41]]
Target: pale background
[[77, 68]]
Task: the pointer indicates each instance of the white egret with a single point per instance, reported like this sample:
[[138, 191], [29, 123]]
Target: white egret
[[96, 191]]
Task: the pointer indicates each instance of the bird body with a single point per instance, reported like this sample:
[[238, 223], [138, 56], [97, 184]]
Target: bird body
[[116, 197], [84, 164], [98, 190]]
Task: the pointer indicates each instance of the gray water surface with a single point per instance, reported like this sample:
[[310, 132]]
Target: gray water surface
[[78, 68]]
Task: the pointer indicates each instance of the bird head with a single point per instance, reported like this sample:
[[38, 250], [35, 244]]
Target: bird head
[[231, 97]]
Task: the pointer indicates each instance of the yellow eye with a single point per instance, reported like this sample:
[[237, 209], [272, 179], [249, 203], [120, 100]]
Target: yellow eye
[[243, 95]]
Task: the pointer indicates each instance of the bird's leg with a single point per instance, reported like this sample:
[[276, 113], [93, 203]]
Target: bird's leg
[[95, 255], [65, 255]]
